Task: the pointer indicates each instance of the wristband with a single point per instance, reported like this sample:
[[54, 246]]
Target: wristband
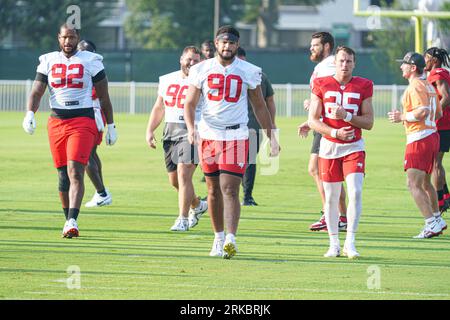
[[348, 117], [334, 133], [410, 117]]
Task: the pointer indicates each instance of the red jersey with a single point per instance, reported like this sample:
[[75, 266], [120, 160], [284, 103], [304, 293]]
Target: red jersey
[[350, 96], [435, 75]]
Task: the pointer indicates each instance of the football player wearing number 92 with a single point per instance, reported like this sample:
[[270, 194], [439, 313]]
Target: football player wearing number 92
[[70, 75], [224, 83], [345, 104]]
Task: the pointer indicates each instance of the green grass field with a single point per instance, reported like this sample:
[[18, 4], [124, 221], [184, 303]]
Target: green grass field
[[126, 251]]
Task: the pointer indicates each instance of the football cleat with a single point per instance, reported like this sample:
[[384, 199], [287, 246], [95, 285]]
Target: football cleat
[[319, 225], [350, 251], [333, 252], [196, 213], [249, 201], [217, 248], [71, 229], [342, 223], [431, 230], [442, 223], [99, 201], [181, 224], [229, 248]]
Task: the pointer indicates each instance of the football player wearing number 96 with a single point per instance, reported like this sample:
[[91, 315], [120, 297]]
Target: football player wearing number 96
[[224, 83], [70, 75], [180, 156], [421, 109], [345, 104]]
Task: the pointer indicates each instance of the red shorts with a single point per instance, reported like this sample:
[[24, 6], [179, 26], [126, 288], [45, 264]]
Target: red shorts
[[335, 170], [223, 157], [71, 139], [421, 154]]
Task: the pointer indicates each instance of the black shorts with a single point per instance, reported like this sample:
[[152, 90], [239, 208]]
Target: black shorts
[[444, 144], [254, 138], [180, 151], [316, 142]]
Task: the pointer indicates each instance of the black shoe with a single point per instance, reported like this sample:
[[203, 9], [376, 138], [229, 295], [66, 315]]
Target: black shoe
[[249, 202]]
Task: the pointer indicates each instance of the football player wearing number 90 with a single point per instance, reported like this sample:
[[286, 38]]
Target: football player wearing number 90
[[180, 156], [345, 104], [70, 75], [224, 83]]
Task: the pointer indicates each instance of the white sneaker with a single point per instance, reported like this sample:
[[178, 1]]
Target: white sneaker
[[71, 229], [217, 248], [99, 201], [431, 229], [230, 248], [442, 223], [350, 251], [196, 213], [181, 224], [333, 252]]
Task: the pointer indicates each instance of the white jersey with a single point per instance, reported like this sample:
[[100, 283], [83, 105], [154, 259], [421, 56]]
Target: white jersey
[[324, 68], [225, 94], [70, 79], [173, 89]]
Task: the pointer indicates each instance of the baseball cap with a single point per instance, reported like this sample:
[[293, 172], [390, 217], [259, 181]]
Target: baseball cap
[[413, 58]]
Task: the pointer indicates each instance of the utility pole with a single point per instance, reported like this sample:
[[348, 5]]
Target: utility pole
[[216, 16]]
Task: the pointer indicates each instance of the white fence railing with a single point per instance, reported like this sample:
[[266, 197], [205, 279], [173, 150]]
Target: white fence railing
[[139, 97]]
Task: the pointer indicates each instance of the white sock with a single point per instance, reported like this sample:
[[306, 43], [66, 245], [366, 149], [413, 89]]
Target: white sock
[[436, 214], [350, 239], [219, 235], [231, 237], [332, 193], [430, 220], [334, 240], [354, 193]]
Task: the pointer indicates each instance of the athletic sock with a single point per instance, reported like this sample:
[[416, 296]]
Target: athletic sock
[[73, 213], [219, 235], [334, 240], [231, 237], [430, 220], [436, 214], [350, 238], [102, 192], [66, 213]]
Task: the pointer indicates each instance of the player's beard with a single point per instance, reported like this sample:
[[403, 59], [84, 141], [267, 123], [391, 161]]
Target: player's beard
[[316, 57], [228, 58], [71, 52], [185, 70]]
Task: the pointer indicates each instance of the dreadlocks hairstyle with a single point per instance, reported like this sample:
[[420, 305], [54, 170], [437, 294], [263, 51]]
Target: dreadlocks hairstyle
[[440, 54]]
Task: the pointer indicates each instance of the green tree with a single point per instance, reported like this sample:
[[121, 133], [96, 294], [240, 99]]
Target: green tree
[[393, 41], [38, 21], [174, 24]]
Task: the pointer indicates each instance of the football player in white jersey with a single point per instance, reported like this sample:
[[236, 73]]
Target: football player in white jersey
[[322, 45], [70, 75], [102, 196], [180, 156], [224, 83]]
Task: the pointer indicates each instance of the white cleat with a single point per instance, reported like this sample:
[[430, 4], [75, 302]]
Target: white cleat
[[99, 201], [350, 251], [229, 248], [217, 248], [196, 213], [431, 230], [333, 252], [71, 229], [442, 223], [181, 224]]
